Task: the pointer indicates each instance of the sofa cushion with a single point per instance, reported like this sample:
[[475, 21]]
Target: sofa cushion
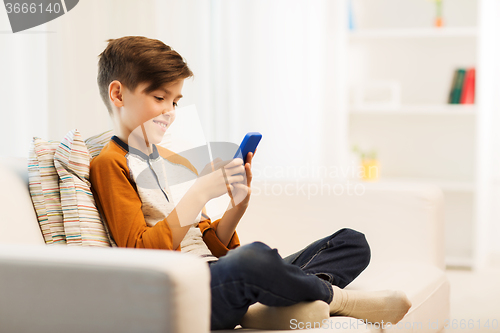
[[97, 142], [402, 222], [426, 286], [82, 222], [44, 190]]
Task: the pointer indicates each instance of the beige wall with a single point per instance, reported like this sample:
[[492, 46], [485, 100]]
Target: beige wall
[[80, 36]]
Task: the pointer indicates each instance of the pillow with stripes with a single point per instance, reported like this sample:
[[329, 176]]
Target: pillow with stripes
[[43, 183], [82, 222], [97, 142]]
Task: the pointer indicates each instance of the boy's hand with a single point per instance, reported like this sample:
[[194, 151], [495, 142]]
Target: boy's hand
[[241, 191], [218, 177]]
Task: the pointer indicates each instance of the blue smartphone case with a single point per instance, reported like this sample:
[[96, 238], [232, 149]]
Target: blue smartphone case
[[249, 144]]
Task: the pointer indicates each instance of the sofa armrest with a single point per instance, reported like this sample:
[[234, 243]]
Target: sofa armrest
[[17, 214], [85, 289]]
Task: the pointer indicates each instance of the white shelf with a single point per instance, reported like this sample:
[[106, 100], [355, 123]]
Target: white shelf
[[444, 184], [446, 109], [459, 262], [414, 33]]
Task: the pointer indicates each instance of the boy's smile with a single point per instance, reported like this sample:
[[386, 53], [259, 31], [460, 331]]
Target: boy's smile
[[163, 124], [141, 117], [155, 128]]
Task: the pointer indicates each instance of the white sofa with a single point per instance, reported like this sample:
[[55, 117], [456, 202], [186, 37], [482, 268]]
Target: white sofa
[[60, 288]]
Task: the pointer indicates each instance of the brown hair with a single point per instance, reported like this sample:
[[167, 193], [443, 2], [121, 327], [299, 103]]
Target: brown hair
[[136, 59]]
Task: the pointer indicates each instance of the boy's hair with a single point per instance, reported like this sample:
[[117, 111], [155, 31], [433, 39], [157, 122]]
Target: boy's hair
[[136, 59]]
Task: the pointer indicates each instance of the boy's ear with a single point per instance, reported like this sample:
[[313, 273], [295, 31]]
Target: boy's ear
[[116, 93]]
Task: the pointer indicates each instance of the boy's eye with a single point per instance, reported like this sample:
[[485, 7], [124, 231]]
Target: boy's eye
[[175, 104], [159, 98]]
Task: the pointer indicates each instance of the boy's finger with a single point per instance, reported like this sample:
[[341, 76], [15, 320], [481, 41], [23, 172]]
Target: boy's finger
[[235, 162], [237, 170], [249, 159], [249, 175], [220, 163]]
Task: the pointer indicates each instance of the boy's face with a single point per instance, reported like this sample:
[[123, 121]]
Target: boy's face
[[155, 111]]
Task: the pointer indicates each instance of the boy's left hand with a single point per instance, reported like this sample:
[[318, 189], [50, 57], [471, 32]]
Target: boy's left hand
[[242, 190]]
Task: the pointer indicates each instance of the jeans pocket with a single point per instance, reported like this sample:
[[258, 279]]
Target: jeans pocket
[[313, 256], [325, 276]]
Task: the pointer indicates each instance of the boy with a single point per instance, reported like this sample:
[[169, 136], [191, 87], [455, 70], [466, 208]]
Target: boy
[[140, 81]]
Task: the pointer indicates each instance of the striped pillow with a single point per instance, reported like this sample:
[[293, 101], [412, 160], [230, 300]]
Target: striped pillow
[[97, 142], [82, 221], [44, 189], [94, 145]]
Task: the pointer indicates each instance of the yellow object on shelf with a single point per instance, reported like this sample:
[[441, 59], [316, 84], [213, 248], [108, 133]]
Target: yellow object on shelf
[[370, 169]]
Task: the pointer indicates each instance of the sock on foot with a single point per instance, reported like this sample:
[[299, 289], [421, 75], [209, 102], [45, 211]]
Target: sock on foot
[[263, 317], [372, 306]]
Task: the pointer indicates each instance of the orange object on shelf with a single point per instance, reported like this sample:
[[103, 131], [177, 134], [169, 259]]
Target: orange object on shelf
[[438, 22]]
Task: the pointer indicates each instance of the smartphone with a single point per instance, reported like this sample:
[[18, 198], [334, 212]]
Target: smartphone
[[249, 144]]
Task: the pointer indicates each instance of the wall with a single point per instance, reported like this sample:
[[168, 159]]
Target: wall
[[261, 66]]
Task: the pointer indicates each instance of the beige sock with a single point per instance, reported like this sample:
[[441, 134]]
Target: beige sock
[[372, 306], [300, 315]]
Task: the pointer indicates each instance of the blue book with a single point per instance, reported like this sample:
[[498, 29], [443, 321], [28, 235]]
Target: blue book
[[351, 16]]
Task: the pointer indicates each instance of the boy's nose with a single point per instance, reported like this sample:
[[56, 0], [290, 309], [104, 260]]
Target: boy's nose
[[167, 111]]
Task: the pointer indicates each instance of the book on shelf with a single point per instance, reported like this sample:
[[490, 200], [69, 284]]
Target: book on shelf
[[350, 16], [468, 91], [462, 89]]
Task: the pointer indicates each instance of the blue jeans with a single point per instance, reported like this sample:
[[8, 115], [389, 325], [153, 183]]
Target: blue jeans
[[257, 273]]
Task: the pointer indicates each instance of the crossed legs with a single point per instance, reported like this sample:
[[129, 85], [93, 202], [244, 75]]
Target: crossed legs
[[257, 273]]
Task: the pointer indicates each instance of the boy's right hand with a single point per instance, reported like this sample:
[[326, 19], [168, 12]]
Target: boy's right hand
[[211, 182]]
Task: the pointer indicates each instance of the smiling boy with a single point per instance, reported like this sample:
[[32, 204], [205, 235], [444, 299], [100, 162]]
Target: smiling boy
[[140, 81], [137, 214]]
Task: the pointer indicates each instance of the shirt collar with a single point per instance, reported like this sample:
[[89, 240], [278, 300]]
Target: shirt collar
[[136, 151]]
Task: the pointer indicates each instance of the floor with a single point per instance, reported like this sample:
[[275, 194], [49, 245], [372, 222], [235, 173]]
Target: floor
[[475, 300]]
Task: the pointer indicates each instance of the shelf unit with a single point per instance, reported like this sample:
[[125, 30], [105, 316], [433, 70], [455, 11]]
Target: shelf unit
[[445, 185], [436, 109], [459, 32], [424, 140]]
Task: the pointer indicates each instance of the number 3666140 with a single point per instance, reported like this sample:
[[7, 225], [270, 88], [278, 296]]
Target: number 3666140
[[32, 8]]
